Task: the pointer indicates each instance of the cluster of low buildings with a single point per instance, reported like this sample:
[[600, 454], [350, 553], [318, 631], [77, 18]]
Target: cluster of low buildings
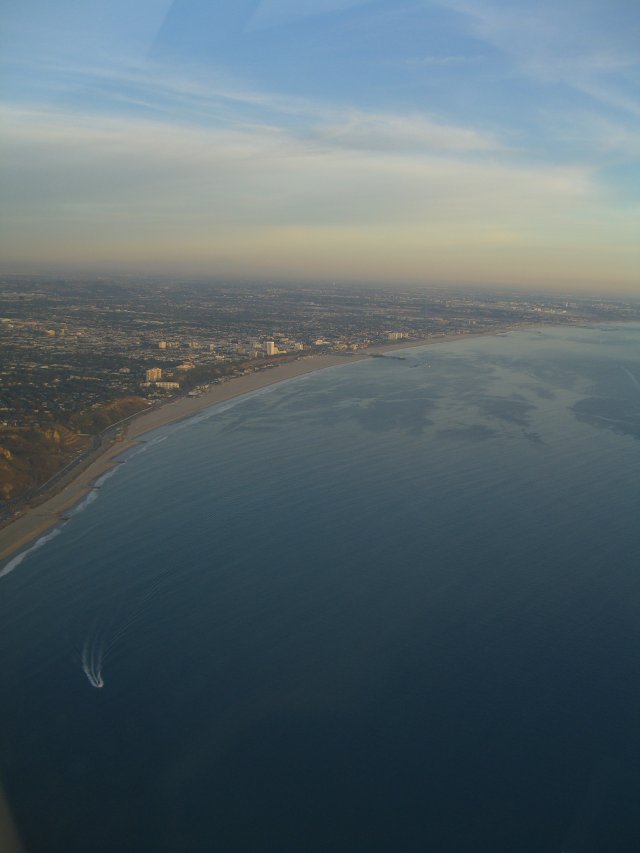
[[67, 345]]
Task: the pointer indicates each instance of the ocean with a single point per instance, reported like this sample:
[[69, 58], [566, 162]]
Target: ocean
[[390, 606]]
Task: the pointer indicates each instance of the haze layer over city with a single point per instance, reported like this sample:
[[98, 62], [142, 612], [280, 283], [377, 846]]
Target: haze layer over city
[[420, 141]]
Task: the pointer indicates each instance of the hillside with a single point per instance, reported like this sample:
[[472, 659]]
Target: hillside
[[31, 456]]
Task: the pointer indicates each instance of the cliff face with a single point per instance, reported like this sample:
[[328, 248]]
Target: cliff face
[[101, 417], [30, 456]]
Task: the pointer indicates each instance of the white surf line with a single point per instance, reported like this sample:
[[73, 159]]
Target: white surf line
[[15, 561], [78, 507], [141, 445], [82, 504], [86, 501], [106, 476]]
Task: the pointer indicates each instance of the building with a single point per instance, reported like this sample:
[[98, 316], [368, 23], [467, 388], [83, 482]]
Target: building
[[271, 348], [153, 374], [168, 385], [162, 344]]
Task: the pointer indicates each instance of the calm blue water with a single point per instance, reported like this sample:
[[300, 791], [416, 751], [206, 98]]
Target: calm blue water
[[393, 606]]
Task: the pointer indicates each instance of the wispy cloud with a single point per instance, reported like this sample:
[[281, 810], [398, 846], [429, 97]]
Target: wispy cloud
[[161, 86], [78, 155], [553, 42], [584, 132], [496, 139], [218, 100], [271, 13], [412, 132], [443, 61]]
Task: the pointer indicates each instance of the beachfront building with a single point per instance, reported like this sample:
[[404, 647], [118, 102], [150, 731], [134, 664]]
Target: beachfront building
[[271, 348]]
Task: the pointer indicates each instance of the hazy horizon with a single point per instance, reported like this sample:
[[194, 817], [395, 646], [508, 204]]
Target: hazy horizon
[[451, 142], [178, 278]]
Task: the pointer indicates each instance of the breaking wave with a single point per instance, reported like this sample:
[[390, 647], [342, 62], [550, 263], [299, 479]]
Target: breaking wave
[[15, 561], [88, 499]]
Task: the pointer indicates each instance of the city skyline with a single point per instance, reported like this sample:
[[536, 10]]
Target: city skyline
[[458, 141]]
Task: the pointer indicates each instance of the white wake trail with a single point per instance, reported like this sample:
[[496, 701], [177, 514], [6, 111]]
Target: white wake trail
[[632, 377], [92, 660]]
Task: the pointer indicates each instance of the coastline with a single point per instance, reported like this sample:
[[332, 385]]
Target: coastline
[[35, 522]]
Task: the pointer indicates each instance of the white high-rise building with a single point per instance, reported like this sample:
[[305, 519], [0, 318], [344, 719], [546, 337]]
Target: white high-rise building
[[271, 348]]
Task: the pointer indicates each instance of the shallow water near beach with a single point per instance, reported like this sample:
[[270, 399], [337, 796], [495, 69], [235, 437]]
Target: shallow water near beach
[[391, 606]]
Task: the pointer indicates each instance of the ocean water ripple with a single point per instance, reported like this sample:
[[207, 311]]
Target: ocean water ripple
[[384, 608]]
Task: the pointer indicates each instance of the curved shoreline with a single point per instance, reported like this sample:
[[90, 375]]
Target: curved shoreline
[[35, 522]]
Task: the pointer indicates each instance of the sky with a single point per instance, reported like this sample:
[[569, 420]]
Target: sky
[[490, 142]]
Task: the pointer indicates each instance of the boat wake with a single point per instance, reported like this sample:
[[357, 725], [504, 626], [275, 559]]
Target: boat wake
[[92, 660], [632, 378], [107, 634], [97, 648]]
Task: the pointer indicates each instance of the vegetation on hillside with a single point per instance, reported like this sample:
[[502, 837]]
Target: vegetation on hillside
[[30, 456]]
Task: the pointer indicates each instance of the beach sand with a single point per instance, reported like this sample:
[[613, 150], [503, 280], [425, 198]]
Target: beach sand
[[35, 521]]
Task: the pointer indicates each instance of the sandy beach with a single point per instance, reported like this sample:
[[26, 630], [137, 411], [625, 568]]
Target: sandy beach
[[36, 521]]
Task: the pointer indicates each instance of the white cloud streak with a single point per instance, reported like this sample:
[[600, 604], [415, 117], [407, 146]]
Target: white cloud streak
[[271, 13], [552, 43], [414, 132], [443, 61], [59, 157]]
